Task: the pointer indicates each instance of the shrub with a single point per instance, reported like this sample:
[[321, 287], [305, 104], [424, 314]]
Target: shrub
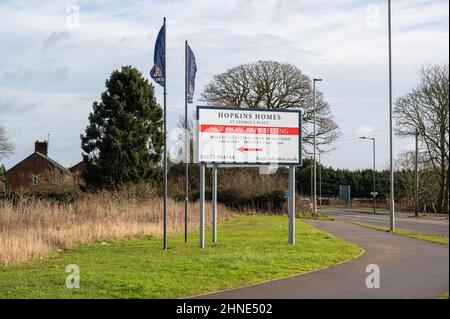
[[272, 202]]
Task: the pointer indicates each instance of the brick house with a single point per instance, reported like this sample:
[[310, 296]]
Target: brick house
[[25, 175], [79, 168]]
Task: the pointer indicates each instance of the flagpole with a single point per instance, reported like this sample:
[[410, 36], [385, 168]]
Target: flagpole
[[186, 145], [165, 140]]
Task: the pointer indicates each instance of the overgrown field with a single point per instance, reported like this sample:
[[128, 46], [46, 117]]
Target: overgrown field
[[31, 228], [251, 249]]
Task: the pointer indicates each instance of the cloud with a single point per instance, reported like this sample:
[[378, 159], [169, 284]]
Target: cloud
[[365, 130], [50, 75], [30, 116], [21, 75], [56, 38], [10, 105]]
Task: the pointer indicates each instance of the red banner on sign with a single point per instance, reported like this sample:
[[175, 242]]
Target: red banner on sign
[[230, 129]]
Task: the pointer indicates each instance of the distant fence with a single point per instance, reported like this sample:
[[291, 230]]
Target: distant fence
[[401, 205]]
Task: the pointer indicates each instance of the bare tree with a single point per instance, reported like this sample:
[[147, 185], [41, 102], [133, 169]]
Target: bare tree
[[179, 147], [425, 108], [6, 147], [429, 181], [273, 85]]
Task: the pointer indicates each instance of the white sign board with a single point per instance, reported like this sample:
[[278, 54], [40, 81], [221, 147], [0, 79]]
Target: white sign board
[[248, 136]]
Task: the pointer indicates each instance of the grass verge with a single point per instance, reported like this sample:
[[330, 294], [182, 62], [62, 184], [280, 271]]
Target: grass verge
[[251, 249], [437, 239]]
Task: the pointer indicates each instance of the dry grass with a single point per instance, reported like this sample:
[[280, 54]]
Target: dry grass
[[245, 181], [241, 179], [32, 228]]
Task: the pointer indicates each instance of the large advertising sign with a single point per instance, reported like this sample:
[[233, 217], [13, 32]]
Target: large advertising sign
[[248, 136]]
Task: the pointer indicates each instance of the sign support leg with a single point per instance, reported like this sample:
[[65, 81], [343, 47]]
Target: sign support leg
[[202, 205], [291, 205], [214, 204]]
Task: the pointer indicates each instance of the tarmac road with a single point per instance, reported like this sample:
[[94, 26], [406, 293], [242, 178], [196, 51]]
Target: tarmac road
[[409, 268], [428, 225]]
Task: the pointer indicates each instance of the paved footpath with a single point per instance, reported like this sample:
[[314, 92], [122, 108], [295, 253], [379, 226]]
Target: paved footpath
[[409, 268]]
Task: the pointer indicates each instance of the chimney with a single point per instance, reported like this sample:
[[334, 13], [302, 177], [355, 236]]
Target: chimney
[[41, 147]]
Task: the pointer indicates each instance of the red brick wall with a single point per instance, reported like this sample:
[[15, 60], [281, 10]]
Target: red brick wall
[[20, 176]]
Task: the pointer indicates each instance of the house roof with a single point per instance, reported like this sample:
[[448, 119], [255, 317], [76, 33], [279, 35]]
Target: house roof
[[53, 162], [80, 166]]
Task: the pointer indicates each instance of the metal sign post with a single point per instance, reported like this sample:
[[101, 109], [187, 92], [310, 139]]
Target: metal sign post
[[291, 205], [214, 204], [202, 205]]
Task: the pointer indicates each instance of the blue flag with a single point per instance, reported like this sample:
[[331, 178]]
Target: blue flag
[[191, 71], [157, 72]]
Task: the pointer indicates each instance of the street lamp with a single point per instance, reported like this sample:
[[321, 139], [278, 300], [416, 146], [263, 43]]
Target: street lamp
[[320, 182], [314, 158], [374, 194], [391, 160]]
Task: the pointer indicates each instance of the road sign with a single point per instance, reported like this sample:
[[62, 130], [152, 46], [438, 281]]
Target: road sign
[[374, 194], [248, 136], [344, 194]]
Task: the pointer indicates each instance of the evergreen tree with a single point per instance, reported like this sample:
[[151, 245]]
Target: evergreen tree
[[124, 139]]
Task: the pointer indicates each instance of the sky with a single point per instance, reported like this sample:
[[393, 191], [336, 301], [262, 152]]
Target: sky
[[56, 55]]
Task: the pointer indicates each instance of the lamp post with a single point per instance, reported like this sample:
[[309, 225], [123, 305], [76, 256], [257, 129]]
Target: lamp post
[[374, 194], [314, 157], [320, 181], [391, 160], [416, 177]]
